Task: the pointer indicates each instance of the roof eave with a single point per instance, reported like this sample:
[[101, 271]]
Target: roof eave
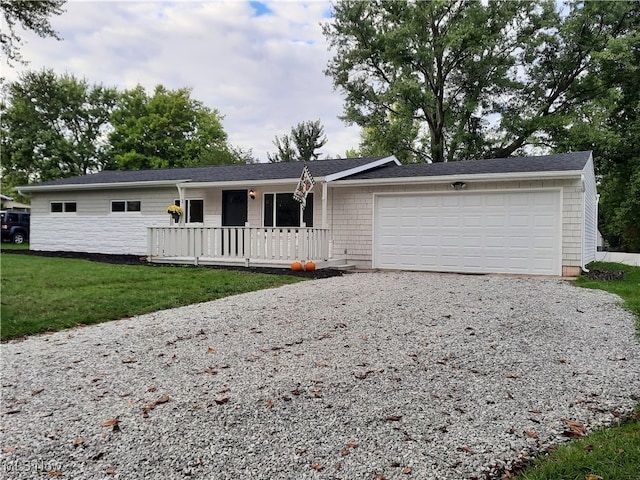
[[478, 177], [98, 186]]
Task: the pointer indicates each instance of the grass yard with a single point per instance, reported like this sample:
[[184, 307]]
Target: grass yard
[[610, 453], [42, 294]]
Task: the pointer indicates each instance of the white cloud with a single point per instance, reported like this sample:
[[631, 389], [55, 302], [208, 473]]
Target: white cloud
[[262, 68]]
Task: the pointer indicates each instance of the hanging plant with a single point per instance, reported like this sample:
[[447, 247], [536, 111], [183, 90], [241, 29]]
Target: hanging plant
[[175, 211]]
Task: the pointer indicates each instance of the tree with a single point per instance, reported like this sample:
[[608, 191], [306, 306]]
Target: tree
[[31, 15], [466, 79], [53, 127], [168, 129], [301, 144], [610, 126]]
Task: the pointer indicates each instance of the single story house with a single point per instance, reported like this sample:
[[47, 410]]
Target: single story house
[[527, 215]]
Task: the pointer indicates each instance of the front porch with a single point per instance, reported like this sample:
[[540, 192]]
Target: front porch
[[241, 246]]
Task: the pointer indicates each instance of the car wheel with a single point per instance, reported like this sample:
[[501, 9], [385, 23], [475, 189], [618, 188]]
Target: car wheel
[[18, 238]]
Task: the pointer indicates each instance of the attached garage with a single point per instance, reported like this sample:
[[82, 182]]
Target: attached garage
[[470, 232]]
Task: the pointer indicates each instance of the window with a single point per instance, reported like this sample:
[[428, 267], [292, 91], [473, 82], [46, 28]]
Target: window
[[125, 206], [282, 210], [63, 207], [194, 210]]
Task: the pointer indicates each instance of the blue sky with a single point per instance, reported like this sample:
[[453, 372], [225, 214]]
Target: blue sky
[[260, 64]]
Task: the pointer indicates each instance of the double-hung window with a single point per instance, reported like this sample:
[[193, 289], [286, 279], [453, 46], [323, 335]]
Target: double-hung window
[[125, 206]]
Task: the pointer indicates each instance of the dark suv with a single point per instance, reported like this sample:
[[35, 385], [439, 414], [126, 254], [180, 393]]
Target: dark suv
[[15, 226]]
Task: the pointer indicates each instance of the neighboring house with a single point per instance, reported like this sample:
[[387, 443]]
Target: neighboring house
[[8, 203], [528, 215]]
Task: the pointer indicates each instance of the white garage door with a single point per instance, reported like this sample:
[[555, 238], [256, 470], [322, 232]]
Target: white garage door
[[501, 232]]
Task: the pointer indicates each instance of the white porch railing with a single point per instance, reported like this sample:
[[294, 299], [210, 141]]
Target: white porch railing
[[230, 243]]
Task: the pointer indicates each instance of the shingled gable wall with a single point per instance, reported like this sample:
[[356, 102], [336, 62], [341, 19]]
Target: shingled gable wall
[[351, 216]]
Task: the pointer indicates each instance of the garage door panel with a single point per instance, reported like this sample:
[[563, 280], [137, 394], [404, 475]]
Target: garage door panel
[[517, 232]]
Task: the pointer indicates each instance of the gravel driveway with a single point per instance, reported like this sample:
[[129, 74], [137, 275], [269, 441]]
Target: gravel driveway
[[368, 375]]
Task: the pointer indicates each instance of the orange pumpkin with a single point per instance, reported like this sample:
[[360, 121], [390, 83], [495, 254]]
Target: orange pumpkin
[[309, 266], [296, 266]]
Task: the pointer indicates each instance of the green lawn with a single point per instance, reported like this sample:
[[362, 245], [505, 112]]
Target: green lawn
[[610, 453], [46, 294]]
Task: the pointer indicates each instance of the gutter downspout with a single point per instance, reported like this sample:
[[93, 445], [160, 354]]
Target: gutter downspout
[[182, 204]]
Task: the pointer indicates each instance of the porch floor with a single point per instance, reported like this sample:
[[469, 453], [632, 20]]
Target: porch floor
[[339, 263]]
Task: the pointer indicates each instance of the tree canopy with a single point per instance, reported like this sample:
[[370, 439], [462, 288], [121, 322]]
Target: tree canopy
[[53, 127], [464, 79], [167, 129], [301, 144], [31, 15]]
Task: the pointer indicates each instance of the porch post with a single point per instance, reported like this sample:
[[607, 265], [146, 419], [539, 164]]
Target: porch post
[[324, 204]]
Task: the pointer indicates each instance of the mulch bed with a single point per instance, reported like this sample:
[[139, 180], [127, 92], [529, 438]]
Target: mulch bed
[[137, 260]]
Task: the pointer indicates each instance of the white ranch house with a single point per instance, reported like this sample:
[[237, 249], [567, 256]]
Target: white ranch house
[[527, 215]]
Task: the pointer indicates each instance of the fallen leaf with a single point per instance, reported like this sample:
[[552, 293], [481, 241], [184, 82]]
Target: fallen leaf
[[78, 441], [211, 371], [129, 360], [297, 391], [379, 476], [338, 466], [36, 392], [575, 426], [352, 444], [300, 451], [511, 376], [535, 411], [593, 477], [151, 389], [345, 452], [110, 471], [110, 423], [531, 434], [317, 467], [162, 400], [394, 418], [8, 450], [407, 470], [621, 451], [211, 350], [269, 404], [320, 364], [221, 401], [224, 390], [55, 473], [464, 448], [589, 448]]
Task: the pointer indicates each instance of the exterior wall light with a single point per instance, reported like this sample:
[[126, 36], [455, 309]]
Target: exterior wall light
[[458, 185], [252, 194]]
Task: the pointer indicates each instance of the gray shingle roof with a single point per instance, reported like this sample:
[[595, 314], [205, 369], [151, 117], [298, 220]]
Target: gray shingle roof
[[321, 168], [547, 163], [217, 173]]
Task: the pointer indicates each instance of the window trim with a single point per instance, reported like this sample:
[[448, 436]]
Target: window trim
[[126, 207], [63, 206]]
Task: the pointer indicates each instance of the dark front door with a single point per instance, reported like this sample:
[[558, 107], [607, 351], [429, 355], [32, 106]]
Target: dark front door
[[234, 214], [234, 208]]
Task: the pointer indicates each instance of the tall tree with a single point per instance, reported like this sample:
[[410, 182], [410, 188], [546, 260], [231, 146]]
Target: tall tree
[[610, 126], [168, 129], [53, 127], [31, 15], [301, 144], [464, 78]]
